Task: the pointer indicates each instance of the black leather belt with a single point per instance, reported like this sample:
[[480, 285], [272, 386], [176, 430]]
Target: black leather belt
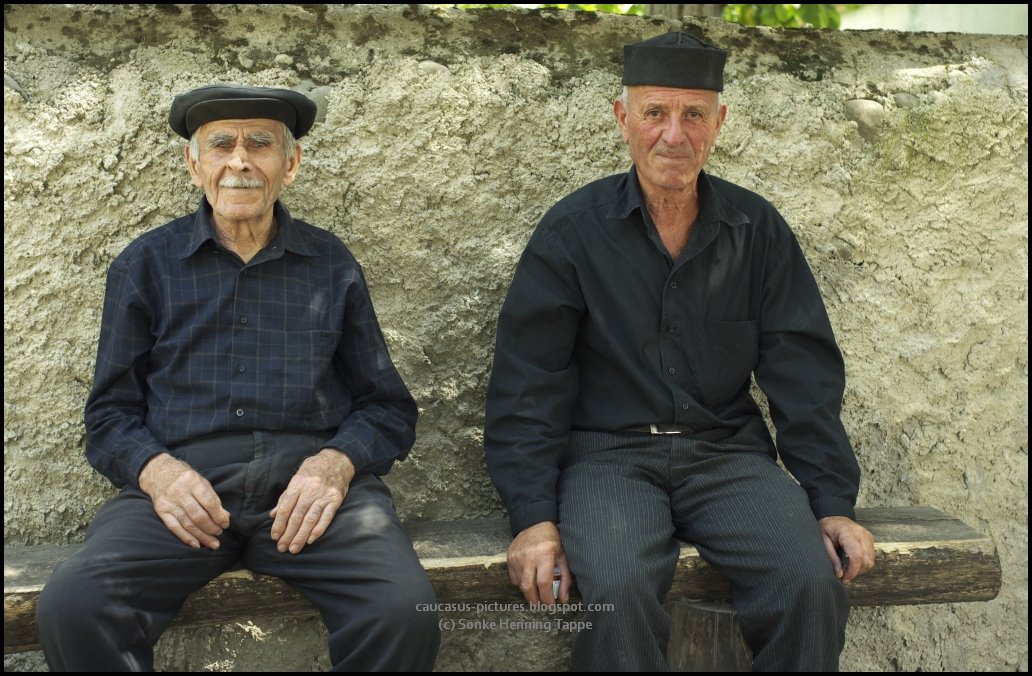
[[662, 429], [711, 434]]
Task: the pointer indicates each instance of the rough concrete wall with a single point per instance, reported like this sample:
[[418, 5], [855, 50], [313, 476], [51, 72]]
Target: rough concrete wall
[[900, 159]]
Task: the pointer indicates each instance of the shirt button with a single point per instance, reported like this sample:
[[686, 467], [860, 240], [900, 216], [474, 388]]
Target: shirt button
[[673, 285], [684, 407], [241, 368], [243, 320], [240, 413], [671, 329], [671, 370]]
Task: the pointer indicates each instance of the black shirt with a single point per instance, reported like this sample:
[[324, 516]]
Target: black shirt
[[601, 330], [194, 341]]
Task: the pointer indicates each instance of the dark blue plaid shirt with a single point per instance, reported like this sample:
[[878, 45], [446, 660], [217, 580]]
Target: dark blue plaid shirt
[[194, 342]]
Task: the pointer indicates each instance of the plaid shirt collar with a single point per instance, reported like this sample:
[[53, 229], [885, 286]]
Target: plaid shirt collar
[[288, 234]]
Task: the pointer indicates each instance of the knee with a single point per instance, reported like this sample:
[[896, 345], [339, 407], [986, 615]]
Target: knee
[[624, 587], [410, 606], [400, 614], [813, 588], [67, 601]]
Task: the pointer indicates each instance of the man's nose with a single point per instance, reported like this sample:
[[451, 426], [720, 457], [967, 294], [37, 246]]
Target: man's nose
[[238, 160], [673, 131]]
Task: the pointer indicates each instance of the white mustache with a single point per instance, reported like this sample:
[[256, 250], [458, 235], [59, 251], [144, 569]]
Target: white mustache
[[240, 182]]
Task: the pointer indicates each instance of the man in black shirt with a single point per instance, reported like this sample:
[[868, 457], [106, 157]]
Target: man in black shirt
[[619, 412]]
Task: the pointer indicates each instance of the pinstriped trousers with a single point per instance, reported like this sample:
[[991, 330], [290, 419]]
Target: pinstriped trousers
[[625, 500]]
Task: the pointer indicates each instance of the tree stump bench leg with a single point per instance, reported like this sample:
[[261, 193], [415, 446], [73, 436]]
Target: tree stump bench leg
[[704, 636]]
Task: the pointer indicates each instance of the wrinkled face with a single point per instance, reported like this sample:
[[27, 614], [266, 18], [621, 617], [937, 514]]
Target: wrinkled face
[[242, 167], [670, 133]]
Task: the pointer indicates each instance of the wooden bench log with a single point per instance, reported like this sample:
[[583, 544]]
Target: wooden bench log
[[924, 556]]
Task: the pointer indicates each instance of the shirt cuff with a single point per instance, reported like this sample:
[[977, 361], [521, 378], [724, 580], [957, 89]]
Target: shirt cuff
[[138, 460], [831, 506], [524, 517], [354, 449]]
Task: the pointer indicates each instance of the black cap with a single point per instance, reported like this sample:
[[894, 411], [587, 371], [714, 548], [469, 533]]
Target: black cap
[[238, 102], [674, 60]]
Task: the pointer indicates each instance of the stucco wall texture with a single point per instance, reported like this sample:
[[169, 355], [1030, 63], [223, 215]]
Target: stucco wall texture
[[900, 160]]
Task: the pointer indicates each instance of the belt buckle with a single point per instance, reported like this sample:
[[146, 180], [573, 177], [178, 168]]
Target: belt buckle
[[654, 429]]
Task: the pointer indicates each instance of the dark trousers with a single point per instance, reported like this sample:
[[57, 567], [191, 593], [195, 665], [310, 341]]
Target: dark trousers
[[106, 607], [624, 502]]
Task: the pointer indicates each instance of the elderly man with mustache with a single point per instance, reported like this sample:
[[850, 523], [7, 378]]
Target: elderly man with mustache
[[246, 405], [619, 417]]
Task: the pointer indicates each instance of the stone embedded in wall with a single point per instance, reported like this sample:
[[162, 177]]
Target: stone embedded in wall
[[434, 67], [868, 116], [904, 100]]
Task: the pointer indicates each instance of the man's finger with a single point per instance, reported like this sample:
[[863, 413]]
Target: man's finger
[[199, 518], [316, 521], [528, 585], [282, 511], [209, 501], [329, 511], [202, 528], [567, 579], [307, 524], [863, 559], [545, 576], [296, 522], [515, 572], [172, 523], [831, 550]]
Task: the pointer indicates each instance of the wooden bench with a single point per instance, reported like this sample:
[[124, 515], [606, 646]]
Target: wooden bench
[[924, 556]]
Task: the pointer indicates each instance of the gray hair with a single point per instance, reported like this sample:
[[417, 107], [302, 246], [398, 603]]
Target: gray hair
[[288, 143], [625, 97]]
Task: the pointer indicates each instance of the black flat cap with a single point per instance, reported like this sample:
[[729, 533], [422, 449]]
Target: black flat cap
[[238, 102], [674, 60]]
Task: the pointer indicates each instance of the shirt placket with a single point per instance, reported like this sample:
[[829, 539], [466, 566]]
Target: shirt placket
[[674, 331], [244, 346]]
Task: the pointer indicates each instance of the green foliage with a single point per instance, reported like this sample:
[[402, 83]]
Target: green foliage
[[790, 16], [636, 10]]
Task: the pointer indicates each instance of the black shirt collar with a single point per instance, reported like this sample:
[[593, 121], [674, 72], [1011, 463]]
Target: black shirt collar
[[713, 207]]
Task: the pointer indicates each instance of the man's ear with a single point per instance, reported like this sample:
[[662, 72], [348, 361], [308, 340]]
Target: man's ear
[[721, 116], [620, 112], [294, 165], [191, 166]]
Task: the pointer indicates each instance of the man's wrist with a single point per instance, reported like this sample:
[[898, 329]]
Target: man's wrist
[[340, 457], [151, 469], [530, 515]]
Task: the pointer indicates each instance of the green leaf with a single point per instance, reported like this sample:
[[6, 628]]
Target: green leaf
[[795, 16], [635, 10]]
